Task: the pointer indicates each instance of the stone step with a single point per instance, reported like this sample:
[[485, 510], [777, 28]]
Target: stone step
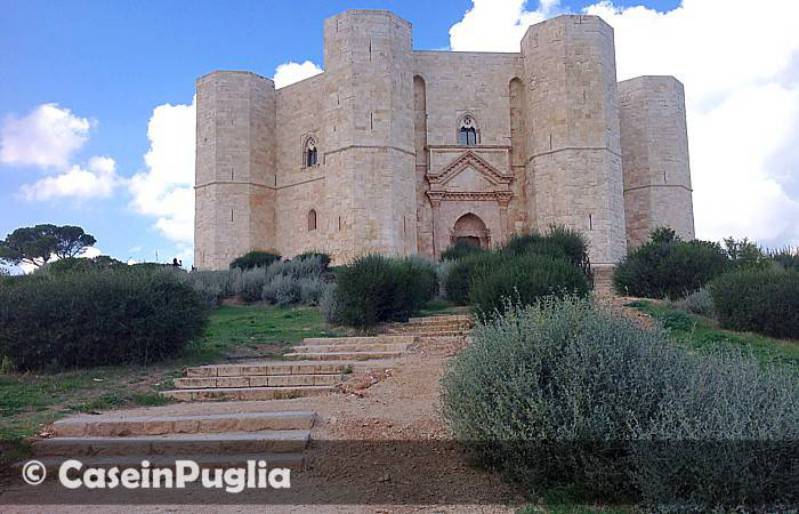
[[381, 339], [343, 356], [449, 318], [264, 369], [344, 348], [257, 381], [245, 393], [429, 333], [294, 460], [442, 339], [111, 425], [277, 441]]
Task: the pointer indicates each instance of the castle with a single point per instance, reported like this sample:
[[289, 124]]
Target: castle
[[402, 151]]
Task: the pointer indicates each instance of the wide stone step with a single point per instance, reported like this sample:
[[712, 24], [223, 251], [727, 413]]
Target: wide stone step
[[293, 460], [381, 339], [339, 348], [111, 426], [257, 381], [277, 441], [245, 393], [343, 356], [446, 318], [429, 333], [264, 369]]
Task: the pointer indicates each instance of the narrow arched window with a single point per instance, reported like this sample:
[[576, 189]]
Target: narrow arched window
[[311, 220], [311, 154], [467, 131]]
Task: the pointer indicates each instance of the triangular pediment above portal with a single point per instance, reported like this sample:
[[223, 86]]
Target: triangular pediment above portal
[[468, 172]]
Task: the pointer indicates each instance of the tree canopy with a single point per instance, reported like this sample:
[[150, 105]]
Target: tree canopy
[[39, 244]]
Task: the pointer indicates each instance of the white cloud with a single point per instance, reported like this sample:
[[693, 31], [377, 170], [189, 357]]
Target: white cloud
[[291, 72], [740, 66], [166, 189], [97, 180], [496, 25], [89, 253], [47, 137]]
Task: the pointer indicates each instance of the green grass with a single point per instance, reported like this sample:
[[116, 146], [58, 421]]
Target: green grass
[[28, 401], [438, 307], [703, 334], [237, 328]]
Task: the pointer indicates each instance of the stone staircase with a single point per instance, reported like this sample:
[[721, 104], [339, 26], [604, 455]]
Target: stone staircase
[[315, 367], [352, 348], [213, 440], [440, 328]]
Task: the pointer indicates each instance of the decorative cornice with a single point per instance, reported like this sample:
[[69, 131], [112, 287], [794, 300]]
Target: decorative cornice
[[501, 197]]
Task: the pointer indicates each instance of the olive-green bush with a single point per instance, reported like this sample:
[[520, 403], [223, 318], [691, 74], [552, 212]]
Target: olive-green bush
[[524, 279], [459, 250], [374, 288], [254, 259], [77, 320], [563, 394], [568, 247], [764, 301], [667, 267], [82, 265]]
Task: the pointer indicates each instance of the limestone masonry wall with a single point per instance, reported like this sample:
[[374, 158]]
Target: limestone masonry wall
[[401, 152]]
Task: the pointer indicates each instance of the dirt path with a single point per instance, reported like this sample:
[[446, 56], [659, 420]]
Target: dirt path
[[372, 450]]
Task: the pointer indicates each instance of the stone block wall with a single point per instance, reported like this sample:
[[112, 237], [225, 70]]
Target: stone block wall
[[572, 125], [657, 176]]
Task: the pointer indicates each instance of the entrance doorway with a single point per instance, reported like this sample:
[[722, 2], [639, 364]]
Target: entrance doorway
[[471, 230]]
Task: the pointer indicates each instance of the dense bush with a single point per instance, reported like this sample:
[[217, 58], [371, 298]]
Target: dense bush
[[459, 250], [443, 270], [524, 279], [213, 286], [563, 394], [787, 258], [375, 288], [72, 320], [699, 302], [323, 258], [459, 279], [668, 267], [328, 304], [255, 259], [764, 301], [82, 265], [558, 241], [298, 281], [502, 269]]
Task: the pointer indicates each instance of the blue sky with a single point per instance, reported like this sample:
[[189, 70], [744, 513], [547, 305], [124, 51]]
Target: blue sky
[[112, 63]]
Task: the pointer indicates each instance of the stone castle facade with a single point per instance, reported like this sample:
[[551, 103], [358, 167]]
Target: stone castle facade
[[401, 151]]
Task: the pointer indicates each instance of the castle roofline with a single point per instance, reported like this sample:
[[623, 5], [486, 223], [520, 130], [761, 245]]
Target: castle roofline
[[242, 72], [653, 77], [372, 12], [565, 17]]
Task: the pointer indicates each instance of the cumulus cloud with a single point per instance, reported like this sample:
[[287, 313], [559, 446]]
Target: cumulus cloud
[[47, 137], [165, 190], [90, 253], [291, 72], [740, 66], [496, 25], [97, 180]]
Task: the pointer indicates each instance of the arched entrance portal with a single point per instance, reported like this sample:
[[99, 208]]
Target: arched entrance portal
[[470, 229]]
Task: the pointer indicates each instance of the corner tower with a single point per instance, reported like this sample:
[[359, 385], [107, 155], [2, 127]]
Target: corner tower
[[235, 167], [572, 143], [654, 142], [370, 154]]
